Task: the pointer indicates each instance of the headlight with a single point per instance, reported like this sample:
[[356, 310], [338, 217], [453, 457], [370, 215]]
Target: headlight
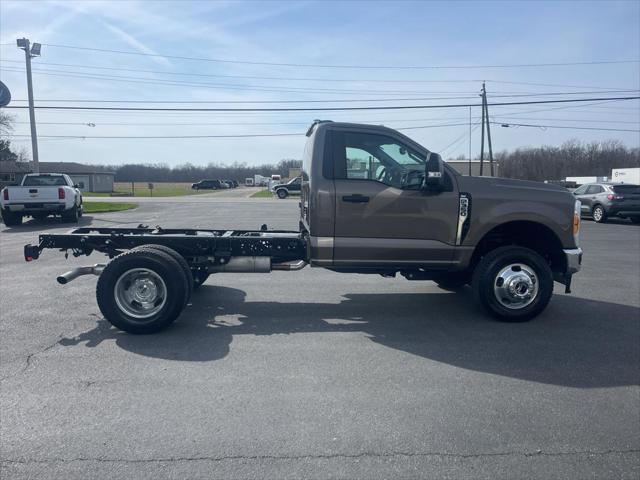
[[576, 221]]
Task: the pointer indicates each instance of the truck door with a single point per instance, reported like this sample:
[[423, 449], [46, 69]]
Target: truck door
[[383, 217]]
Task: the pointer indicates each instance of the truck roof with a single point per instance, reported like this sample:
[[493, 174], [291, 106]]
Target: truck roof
[[320, 123], [44, 174]]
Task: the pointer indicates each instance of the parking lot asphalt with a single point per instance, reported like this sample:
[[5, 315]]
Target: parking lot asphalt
[[314, 374]]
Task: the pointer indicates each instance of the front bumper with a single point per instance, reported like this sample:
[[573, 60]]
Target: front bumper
[[573, 259]]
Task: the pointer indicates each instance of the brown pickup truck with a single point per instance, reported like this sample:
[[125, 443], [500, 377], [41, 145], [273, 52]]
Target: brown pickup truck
[[372, 202]]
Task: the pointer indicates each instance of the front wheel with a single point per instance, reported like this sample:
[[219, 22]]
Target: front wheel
[[282, 193], [140, 292], [634, 219], [514, 284]]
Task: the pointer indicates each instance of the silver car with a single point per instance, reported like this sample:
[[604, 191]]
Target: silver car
[[604, 200]]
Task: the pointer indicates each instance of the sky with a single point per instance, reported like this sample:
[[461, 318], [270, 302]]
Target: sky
[[306, 54]]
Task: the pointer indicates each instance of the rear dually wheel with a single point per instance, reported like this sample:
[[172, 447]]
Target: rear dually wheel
[[140, 292]]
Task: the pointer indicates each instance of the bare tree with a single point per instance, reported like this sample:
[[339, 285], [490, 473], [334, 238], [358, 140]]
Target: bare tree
[[23, 155], [6, 123]]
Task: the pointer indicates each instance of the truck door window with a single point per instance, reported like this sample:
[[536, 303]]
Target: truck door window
[[360, 164], [379, 158]]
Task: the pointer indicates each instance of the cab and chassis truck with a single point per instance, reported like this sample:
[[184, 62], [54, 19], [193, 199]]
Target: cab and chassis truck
[[373, 201]]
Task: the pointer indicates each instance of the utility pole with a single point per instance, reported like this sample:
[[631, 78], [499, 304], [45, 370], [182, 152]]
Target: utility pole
[[485, 119], [469, 141], [482, 136], [486, 109], [31, 51]]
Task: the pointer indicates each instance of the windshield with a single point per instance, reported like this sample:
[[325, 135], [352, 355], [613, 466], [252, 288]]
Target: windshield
[[401, 156], [44, 181]]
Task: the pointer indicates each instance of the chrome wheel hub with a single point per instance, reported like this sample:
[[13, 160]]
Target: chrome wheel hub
[[140, 293], [516, 286]]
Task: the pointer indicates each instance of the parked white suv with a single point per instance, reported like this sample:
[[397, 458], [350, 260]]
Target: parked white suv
[[40, 195]]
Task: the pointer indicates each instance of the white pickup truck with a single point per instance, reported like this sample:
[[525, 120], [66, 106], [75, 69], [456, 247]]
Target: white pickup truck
[[40, 195]]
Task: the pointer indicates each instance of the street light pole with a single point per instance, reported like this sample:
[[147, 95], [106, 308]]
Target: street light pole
[[30, 52]]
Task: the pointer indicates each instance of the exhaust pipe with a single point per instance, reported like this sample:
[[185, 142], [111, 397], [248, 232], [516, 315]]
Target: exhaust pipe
[[79, 271], [299, 265], [254, 265]]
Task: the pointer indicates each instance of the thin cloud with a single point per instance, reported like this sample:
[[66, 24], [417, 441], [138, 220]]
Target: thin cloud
[[135, 43]]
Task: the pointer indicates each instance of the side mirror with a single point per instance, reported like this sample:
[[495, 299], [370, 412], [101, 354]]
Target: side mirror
[[434, 173], [79, 185]]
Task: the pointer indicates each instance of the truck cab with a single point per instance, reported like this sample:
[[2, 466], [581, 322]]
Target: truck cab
[[363, 201], [369, 206]]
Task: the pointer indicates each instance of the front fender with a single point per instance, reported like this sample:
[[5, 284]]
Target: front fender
[[553, 216]]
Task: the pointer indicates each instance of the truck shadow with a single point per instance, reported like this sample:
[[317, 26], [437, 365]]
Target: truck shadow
[[576, 342]]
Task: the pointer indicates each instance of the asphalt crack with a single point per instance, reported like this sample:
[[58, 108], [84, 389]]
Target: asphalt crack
[[324, 456], [29, 358]]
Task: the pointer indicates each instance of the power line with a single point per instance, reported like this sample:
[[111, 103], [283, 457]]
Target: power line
[[222, 136], [159, 137], [314, 79], [368, 120], [308, 109], [563, 126], [564, 107], [70, 100], [460, 138], [311, 65], [225, 86], [258, 135], [267, 88], [270, 88], [567, 120]]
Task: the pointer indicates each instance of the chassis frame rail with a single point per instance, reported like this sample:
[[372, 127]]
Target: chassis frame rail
[[193, 244]]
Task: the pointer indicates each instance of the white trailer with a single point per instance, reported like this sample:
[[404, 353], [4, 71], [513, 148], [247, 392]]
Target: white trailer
[[626, 175], [582, 180], [260, 181]]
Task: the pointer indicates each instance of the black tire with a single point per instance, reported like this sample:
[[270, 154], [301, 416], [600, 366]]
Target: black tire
[[184, 266], [154, 262], [485, 280], [452, 281], [11, 219], [599, 214], [71, 215], [282, 193], [634, 219]]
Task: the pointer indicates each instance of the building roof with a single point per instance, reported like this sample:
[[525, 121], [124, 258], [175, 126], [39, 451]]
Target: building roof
[[14, 167], [71, 168]]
